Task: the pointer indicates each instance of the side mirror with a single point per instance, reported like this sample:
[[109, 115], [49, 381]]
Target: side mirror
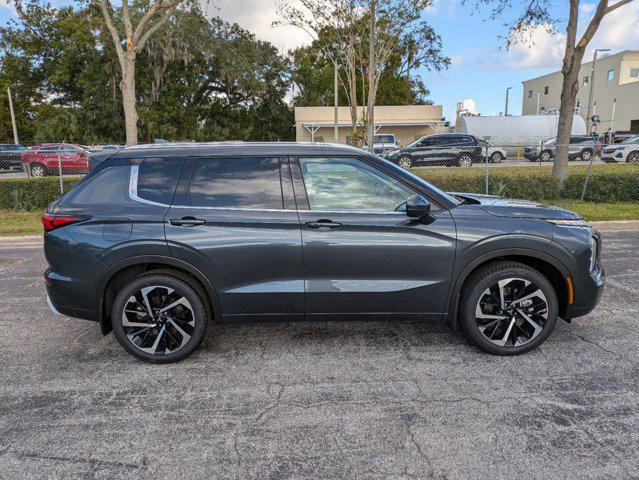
[[417, 206]]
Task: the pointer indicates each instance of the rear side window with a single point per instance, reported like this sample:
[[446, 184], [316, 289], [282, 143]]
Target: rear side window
[[110, 186], [158, 177], [237, 183]]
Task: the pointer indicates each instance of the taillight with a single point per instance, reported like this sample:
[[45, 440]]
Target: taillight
[[51, 222]]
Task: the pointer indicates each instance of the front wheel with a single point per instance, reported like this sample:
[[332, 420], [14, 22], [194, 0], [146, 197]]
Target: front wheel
[[545, 156], [159, 318], [37, 170], [508, 308], [465, 160]]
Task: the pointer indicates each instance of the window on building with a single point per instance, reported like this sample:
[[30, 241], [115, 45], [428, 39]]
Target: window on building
[[611, 75], [585, 80], [546, 90], [634, 73], [529, 93], [237, 183]]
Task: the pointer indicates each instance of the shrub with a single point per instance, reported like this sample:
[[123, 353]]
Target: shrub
[[32, 193]]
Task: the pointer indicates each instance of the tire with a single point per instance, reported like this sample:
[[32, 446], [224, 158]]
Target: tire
[[405, 162], [511, 333], [465, 160], [172, 334], [37, 170], [633, 157], [586, 155], [545, 156], [496, 157]]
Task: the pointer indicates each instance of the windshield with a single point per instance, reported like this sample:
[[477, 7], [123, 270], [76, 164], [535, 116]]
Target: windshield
[[631, 140], [414, 142], [384, 139]]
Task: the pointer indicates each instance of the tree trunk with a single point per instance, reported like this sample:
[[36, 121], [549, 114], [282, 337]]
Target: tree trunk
[[127, 85], [372, 91], [569, 91]]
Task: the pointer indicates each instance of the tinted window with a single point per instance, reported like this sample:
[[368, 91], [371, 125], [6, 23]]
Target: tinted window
[[237, 183], [158, 177], [384, 138], [349, 184], [48, 149], [110, 186]]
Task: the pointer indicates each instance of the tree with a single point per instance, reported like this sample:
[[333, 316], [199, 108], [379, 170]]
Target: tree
[[538, 13], [157, 15], [362, 37]]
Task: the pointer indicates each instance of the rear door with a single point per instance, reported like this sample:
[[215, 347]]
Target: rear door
[[234, 218]]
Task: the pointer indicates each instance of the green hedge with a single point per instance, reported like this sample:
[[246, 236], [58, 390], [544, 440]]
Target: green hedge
[[607, 183], [32, 193]]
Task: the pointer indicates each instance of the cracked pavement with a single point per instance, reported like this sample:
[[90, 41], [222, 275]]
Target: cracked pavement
[[375, 400]]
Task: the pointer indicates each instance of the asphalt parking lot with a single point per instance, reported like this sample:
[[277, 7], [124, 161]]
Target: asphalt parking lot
[[331, 400]]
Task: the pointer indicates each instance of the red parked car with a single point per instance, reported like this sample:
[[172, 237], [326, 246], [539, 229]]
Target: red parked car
[[42, 160]]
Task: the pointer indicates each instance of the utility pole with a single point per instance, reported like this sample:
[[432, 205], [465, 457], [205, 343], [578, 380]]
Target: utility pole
[[506, 109], [336, 101], [371, 76], [591, 95], [13, 118]]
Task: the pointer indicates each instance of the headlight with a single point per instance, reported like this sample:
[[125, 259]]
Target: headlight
[[570, 222]]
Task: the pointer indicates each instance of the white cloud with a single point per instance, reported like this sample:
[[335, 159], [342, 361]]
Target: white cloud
[[5, 5], [538, 47], [619, 30], [257, 17]]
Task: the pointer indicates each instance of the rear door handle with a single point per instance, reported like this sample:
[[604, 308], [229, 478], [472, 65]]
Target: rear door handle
[[187, 221], [323, 223]]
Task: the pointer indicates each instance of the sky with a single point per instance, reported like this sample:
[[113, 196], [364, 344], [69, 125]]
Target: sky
[[481, 68]]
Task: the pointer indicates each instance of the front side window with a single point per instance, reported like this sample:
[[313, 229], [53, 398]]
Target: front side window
[[348, 184], [251, 183]]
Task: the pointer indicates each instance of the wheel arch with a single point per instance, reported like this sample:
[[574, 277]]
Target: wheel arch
[[121, 272], [548, 265]]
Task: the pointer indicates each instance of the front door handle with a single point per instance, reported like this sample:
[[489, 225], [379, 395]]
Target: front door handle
[[323, 223], [187, 221]]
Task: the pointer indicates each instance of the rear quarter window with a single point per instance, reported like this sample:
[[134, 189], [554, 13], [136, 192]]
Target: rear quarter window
[[108, 187]]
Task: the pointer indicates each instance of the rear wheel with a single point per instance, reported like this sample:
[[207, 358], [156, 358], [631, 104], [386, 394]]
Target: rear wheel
[[405, 162], [37, 170], [633, 157], [508, 308], [159, 318], [496, 157], [586, 155], [465, 160]]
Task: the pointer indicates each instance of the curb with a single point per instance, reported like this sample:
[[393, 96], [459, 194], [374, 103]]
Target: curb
[[607, 226]]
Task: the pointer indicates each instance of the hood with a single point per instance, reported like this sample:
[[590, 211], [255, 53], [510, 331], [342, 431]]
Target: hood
[[515, 208]]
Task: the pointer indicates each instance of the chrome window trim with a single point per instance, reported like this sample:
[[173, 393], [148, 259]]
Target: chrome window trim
[[133, 195]]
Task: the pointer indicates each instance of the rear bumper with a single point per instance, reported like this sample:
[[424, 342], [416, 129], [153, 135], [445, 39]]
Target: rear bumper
[[60, 293]]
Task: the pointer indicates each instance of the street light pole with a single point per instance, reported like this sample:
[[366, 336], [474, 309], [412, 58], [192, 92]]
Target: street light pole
[[506, 109], [13, 118], [591, 95]]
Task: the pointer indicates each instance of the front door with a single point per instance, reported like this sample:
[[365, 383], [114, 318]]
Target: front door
[[362, 254], [236, 221]]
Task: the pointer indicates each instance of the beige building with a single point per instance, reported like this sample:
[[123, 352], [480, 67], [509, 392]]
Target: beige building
[[407, 122], [616, 92]]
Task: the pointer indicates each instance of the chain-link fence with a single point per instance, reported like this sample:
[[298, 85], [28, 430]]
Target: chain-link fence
[[32, 176]]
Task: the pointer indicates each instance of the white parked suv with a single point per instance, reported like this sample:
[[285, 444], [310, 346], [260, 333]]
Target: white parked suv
[[382, 143], [626, 151]]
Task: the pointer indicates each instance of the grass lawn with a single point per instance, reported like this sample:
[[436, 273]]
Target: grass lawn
[[20, 223], [28, 223], [601, 211]]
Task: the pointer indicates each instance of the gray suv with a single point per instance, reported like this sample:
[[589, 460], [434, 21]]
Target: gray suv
[[157, 243]]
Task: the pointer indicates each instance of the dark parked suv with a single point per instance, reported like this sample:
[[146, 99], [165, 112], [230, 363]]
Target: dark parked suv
[[446, 149], [159, 242]]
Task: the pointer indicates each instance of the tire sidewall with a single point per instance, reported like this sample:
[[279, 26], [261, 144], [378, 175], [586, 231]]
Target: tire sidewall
[[199, 313], [477, 289], [545, 156]]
